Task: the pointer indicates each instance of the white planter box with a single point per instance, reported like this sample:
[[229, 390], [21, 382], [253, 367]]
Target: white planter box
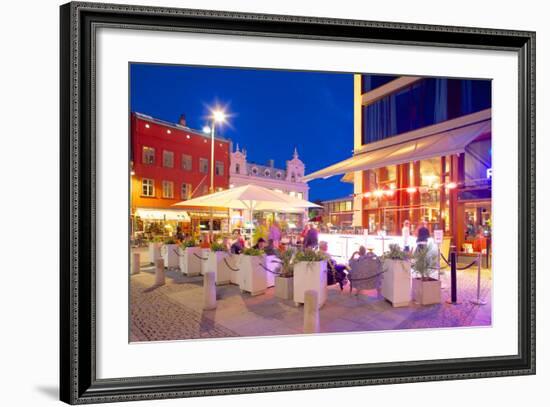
[[396, 282], [190, 261], [170, 255], [271, 263], [204, 253], [426, 292], [217, 263], [253, 277], [234, 261], [154, 252], [310, 276], [284, 287]]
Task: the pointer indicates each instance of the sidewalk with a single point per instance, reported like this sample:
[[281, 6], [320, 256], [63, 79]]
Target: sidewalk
[[174, 311]]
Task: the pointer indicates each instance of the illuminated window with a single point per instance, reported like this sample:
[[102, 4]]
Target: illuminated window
[[168, 159], [348, 206], [185, 191], [219, 168], [147, 187], [148, 155], [167, 189], [299, 195], [186, 162], [203, 165]]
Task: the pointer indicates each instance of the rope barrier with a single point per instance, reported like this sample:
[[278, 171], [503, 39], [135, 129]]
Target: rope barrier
[[445, 260], [202, 258], [271, 271], [228, 266], [468, 266]]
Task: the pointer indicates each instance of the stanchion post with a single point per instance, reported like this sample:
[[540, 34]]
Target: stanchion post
[[135, 263], [453, 299], [478, 300], [209, 293], [160, 278], [311, 312]]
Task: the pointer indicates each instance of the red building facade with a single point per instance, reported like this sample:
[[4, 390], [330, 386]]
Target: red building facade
[[171, 163]]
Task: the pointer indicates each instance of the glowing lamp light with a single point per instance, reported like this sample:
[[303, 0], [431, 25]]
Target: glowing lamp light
[[378, 193], [188, 137], [367, 194], [389, 192], [132, 172], [206, 129], [168, 131], [219, 116], [411, 190], [147, 125], [392, 186], [451, 185]]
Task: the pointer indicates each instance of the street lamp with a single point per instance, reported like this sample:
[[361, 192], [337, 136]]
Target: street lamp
[[218, 117]]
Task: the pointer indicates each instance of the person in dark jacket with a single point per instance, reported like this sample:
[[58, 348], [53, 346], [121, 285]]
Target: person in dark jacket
[[311, 239], [422, 233]]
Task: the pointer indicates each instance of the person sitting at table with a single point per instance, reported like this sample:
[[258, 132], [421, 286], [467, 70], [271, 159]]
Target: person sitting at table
[[270, 249], [359, 254], [336, 272], [238, 245], [260, 244], [311, 239]]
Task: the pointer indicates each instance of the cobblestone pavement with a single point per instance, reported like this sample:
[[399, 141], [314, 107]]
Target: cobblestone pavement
[[174, 311]]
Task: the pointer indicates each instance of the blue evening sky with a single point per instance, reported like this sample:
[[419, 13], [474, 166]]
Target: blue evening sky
[[271, 112]]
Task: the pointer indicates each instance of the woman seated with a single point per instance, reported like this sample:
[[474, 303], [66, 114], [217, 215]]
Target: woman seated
[[359, 254], [336, 273]]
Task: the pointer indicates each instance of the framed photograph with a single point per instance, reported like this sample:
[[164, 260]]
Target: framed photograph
[[255, 203]]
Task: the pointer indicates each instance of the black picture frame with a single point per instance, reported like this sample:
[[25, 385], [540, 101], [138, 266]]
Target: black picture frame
[[78, 382]]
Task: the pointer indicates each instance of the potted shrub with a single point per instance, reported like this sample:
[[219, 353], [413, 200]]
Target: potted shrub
[[284, 281], [190, 258], [217, 262], [170, 253], [426, 290], [310, 273], [252, 274], [154, 249], [396, 280]]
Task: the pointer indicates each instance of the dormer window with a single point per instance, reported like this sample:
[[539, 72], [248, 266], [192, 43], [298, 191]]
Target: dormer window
[[254, 171], [267, 173], [293, 177], [278, 175]]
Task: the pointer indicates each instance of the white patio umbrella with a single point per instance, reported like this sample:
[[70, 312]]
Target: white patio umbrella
[[251, 197]]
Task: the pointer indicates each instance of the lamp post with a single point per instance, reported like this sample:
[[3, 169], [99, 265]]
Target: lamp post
[[218, 116]]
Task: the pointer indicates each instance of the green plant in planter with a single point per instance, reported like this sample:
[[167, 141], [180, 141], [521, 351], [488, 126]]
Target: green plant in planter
[[286, 260], [395, 253], [218, 247], [253, 252], [157, 239], [425, 259], [170, 241], [189, 243], [309, 255]]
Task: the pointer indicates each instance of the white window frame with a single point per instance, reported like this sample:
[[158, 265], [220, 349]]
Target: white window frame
[[165, 161], [186, 158], [216, 168], [201, 162], [170, 189], [150, 187], [148, 155], [188, 191]]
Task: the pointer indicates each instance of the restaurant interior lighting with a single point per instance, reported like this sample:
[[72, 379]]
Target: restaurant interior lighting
[[451, 185], [367, 194], [411, 190], [378, 193]]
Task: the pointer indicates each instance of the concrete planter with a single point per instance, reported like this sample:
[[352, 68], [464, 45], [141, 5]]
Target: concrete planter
[[190, 261], [217, 262], [396, 282], [154, 252], [426, 292], [170, 254], [253, 278], [310, 276], [272, 263], [204, 253], [284, 287], [234, 261]]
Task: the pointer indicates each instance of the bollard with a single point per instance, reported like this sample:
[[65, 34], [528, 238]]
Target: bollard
[[478, 301], [453, 299], [135, 264], [159, 272], [311, 312], [209, 285]]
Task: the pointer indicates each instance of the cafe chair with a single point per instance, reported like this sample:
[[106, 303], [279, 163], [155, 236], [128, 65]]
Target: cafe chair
[[365, 273]]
